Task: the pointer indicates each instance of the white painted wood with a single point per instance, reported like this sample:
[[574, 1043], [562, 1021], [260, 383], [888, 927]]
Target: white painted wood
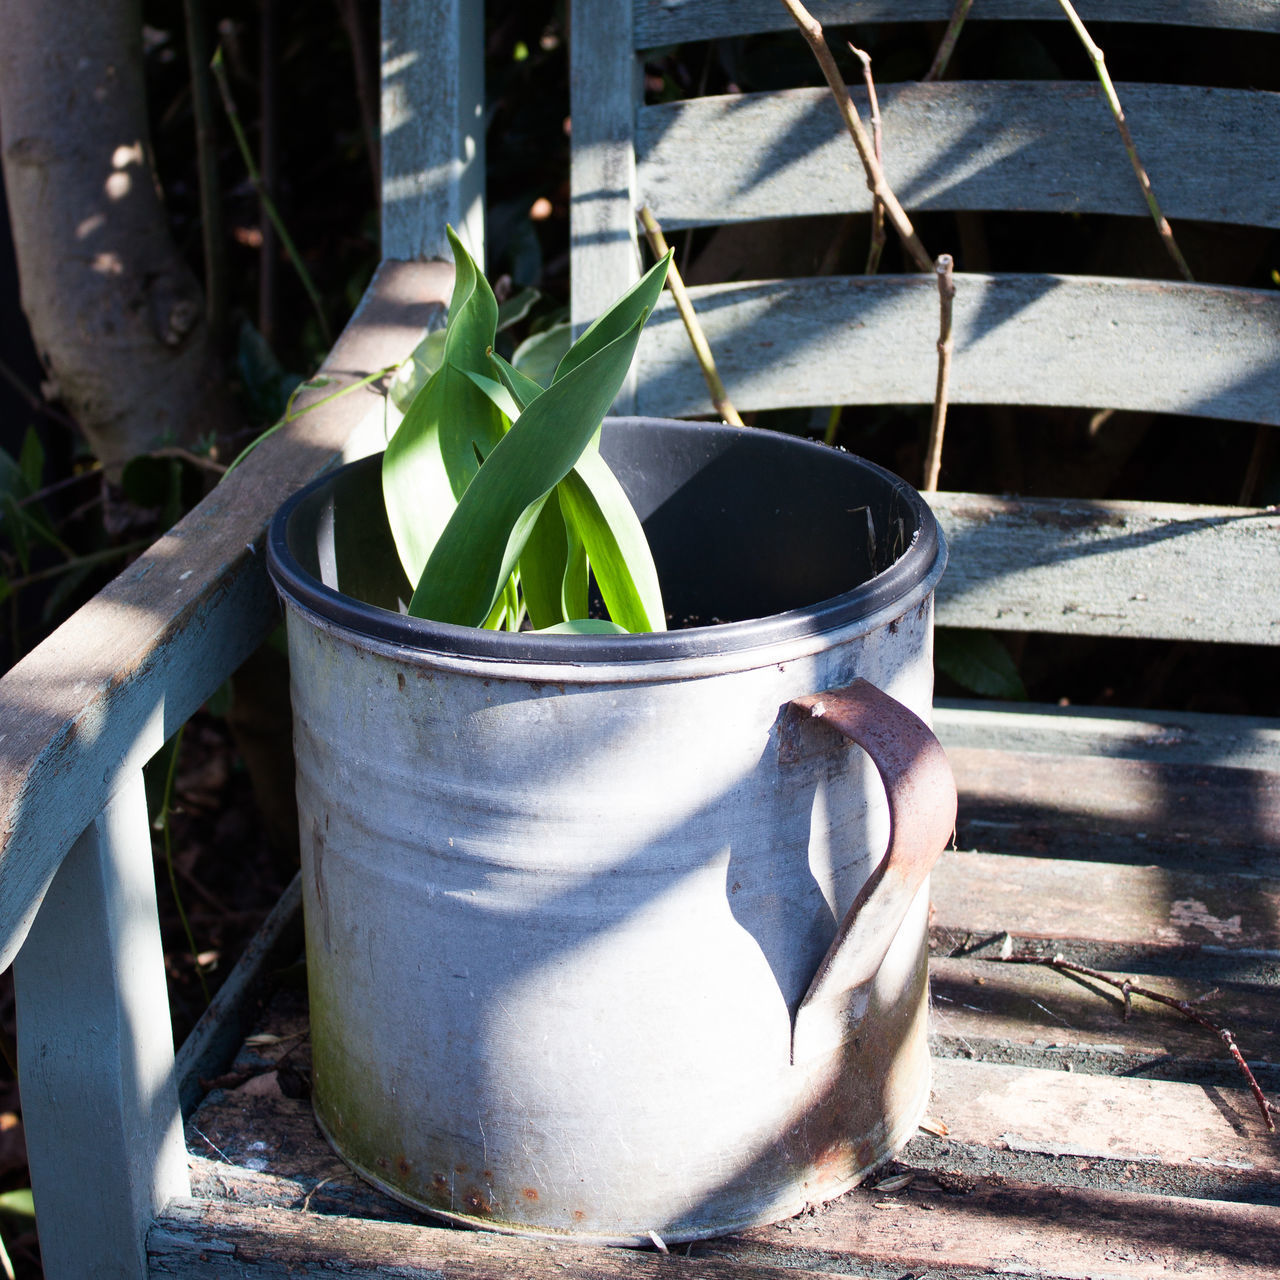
[[606, 89], [1144, 569], [1019, 339], [1163, 737], [1045, 146], [82, 713], [99, 1099], [433, 127], [660, 22]]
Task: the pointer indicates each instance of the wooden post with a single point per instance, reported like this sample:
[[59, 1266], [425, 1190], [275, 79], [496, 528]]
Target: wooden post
[[95, 1053], [432, 128], [606, 88]]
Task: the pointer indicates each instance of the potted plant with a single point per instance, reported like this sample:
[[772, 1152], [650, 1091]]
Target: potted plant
[[616, 934]]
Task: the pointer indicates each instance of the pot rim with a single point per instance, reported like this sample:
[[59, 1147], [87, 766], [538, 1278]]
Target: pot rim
[[889, 594]]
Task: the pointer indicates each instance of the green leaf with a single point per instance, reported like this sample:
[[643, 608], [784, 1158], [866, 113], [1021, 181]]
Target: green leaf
[[543, 564], [31, 460], [977, 661], [412, 375], [415, 483], [586, 627], [18, 1202], [539, 354], [500, 394], [633, 307], [523, 389], [517, 307], [12, 481], [266, 382], [495, 516], [596, 506]]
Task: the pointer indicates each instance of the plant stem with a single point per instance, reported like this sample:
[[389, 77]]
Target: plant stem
[[1188, 1011], [213, 243], [701, 349], [948, 45], [268, 152], [79, 562], [876, 248], [946, 293], [811, 29], [1098, 58], [233, 117]]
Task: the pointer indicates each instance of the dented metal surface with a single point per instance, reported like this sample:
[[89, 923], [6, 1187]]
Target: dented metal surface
[[560, 918]]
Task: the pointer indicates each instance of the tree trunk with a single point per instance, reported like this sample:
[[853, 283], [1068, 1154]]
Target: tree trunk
[[117, 316]]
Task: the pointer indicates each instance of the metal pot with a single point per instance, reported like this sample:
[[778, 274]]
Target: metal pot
[[602, 936]]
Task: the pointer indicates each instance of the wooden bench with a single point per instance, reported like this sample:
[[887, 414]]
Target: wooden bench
[[1065, 1139]]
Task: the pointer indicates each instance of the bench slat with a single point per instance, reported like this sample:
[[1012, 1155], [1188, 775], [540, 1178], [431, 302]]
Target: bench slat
[[1028, 145], [1148, 908], [663, 22], [171, 628], [1152, 570], [1034, 1016], [1019, 339]]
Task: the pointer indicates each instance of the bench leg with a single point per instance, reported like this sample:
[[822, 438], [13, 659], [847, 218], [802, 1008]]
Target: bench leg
[[95, 1053]]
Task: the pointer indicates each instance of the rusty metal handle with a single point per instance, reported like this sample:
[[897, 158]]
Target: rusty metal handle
[[922, 813]]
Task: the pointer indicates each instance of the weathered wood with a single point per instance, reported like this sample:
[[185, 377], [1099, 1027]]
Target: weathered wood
[[1187, 817], [1019, 339], [1144, 1135], [985, 1226], [88, 707], [433, 128], [1161, 737], [1110, 568], [216, 1038], [99, 1102], [1047, 146], [1031, 1015], [1146, 908], [661, 22], [602, 191], [204, 1240]]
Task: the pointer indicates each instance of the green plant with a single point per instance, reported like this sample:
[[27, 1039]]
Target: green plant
[[497, 497]]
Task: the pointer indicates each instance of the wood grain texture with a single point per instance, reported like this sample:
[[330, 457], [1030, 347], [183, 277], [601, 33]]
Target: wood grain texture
[[85, 710], [207, 1240], [1110, 568], [659, 22], [606, 83], [1029, 145], [982, 894], [1159, 737], [96, 1052], [957, 1227], [1035, 1016], [433, 128], [1090, 342]]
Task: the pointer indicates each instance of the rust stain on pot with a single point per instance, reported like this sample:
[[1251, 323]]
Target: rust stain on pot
[[579, 1215], [400, 680], [440, 1183], [475, 1200], [403, 1167], [530, 1193]]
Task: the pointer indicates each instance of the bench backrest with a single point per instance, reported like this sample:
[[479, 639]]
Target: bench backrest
[[1160, 345]]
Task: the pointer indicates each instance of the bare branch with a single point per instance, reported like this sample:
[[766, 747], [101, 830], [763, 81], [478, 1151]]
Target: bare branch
[[946, 293], [811, 29], [701, 349], [949, 37], [1098, 58], [876, 247]]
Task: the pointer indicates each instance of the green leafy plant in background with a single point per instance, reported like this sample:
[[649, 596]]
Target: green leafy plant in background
[[499, 502]]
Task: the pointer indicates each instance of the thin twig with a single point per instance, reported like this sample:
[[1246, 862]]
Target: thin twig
[[876, 248], [36, 403], [811, 29], [1128, 988], [706, 362], [268, 160], [185, 455], [269, 205], [165, 823], [1098, 58], [949, 37], [212, 241], [946, 293]]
